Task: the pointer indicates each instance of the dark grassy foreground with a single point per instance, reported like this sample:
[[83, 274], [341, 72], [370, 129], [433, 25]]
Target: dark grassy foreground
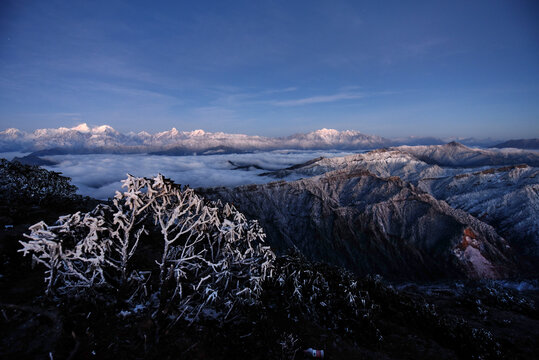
[[458, 319]]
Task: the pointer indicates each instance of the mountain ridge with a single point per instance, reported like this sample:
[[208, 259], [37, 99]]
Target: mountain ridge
[[519, 144], [361, 221], [104, 138]]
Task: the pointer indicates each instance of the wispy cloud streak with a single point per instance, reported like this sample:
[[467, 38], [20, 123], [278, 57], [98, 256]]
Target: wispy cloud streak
[[319, 99]]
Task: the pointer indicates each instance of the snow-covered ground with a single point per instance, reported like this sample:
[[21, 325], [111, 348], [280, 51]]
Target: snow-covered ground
[[99, 175]]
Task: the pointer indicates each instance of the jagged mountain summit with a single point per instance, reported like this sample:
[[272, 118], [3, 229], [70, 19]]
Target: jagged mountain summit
[[83, 139]]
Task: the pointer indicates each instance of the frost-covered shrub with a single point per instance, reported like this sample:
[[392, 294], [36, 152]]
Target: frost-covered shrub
[[499, 295], [326, 295], [289, 346], [308, 285], [211, 257], [73, 252]]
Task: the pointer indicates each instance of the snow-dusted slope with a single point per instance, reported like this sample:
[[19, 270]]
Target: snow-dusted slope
[[83, 138], [412, 163], [372, 224], [458, 155], [506, 197], [381, 162]]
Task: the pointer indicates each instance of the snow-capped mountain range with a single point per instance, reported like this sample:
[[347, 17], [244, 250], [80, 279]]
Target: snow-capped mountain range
[[105, 139]]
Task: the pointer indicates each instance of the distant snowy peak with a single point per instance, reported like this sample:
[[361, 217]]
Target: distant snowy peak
[[82, 128], [167, 134], [104, 129], [328, 138], [11, 133], [198, 132], [330, 134], [324, 131], [81, 136]]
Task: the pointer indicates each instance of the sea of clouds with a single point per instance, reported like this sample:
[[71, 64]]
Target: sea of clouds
[[100, 175]]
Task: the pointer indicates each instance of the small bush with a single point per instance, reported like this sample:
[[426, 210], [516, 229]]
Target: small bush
[[211, 260]]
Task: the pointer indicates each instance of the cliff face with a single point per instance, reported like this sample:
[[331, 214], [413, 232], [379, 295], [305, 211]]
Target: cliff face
[[505, 197], [371, 224]]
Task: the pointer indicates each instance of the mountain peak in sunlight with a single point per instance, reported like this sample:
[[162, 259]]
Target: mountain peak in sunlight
[[325, 131], [198, 132], [103, 129], [81, 127]]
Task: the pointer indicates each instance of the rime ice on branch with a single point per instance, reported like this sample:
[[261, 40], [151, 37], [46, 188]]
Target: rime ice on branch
[[211, 256]]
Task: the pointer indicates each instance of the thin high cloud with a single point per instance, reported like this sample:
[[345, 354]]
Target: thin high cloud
[[277, 91], [237, 96], [319, 99]]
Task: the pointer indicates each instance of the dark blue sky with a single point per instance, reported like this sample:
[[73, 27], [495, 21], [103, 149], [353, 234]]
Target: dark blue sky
[[392, 68]]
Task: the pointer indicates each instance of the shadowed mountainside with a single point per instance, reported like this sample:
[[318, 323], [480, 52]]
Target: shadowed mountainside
[[372, 224]]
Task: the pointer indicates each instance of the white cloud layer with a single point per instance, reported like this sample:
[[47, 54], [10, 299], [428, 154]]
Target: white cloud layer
[[99, 176]]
